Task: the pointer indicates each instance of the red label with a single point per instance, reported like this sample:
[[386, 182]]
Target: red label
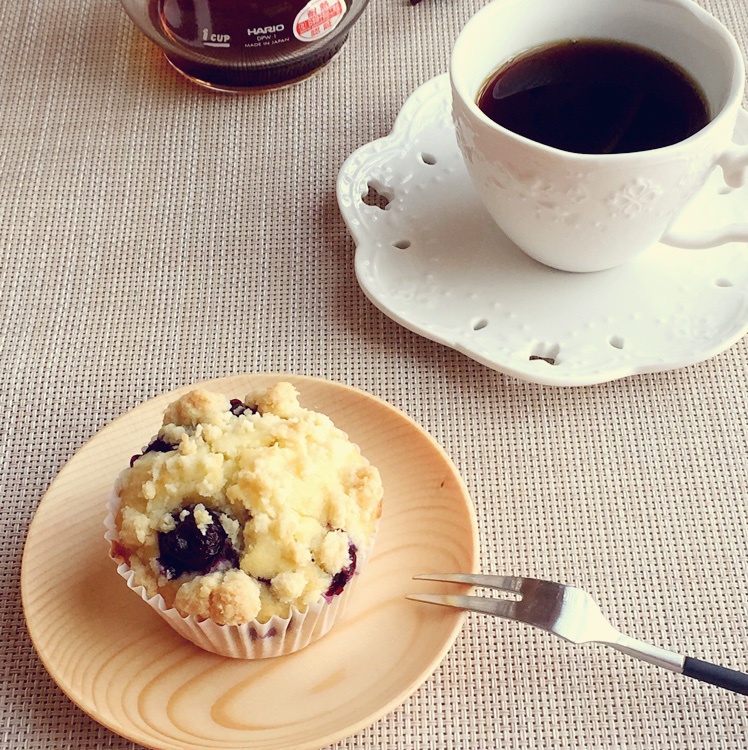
[[317, 19]]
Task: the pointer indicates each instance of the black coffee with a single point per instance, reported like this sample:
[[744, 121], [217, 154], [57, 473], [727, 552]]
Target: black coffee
[[595, 96]]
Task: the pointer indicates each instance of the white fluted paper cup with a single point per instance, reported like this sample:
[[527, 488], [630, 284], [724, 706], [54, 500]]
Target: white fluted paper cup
[[251, 640]]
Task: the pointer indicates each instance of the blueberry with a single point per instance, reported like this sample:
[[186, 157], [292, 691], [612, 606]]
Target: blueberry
[[239, 407], [341, 578], [157, 445], [186, 549]]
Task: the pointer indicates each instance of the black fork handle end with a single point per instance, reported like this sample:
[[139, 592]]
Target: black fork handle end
[[716, 675]]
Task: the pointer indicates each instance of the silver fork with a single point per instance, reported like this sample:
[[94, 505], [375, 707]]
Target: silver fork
[[572, 614]]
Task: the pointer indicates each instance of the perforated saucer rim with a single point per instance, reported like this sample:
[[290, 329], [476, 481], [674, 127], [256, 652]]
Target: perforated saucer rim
[[434, 261]]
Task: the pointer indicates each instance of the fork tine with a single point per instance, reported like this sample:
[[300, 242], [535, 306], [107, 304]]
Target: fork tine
[[506, 608], [511, 584]]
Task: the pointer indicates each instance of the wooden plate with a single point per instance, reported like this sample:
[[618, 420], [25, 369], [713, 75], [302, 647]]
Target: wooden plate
[[118, 661]]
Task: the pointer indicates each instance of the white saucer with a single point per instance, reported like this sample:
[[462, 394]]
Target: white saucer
[[434, 261]]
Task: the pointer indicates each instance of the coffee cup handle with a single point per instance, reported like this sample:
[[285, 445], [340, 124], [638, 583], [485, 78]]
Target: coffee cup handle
[[734, 164]]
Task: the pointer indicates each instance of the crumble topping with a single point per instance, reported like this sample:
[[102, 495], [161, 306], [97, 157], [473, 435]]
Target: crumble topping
[[241, 509]]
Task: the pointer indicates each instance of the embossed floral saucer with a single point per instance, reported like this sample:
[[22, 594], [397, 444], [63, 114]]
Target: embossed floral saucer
[[430, 257]]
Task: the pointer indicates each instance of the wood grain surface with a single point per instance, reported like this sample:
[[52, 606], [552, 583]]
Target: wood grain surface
[[119, 662]]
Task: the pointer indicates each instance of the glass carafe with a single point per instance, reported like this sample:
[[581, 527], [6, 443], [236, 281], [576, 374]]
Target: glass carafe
[[235, 45]]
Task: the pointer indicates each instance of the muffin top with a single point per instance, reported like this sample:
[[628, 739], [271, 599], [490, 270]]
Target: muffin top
[[239, 510]]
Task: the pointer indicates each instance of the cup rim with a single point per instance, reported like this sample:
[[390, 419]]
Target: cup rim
[[731, 105]]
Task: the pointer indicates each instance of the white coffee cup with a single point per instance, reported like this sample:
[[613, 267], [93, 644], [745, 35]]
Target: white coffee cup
[[581, 212]]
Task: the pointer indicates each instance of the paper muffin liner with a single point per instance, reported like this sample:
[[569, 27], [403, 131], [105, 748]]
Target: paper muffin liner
[[252, 640]]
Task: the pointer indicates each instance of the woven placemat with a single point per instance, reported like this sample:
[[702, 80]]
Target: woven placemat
[[154, 234]]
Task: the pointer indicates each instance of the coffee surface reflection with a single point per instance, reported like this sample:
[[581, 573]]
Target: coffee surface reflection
[[595, 96]]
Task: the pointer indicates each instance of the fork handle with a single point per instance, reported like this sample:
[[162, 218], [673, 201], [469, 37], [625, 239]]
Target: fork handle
[[716, 675], [705, 671]]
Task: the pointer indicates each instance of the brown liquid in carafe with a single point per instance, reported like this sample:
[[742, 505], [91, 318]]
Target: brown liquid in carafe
[[251, 42], [595, 96]]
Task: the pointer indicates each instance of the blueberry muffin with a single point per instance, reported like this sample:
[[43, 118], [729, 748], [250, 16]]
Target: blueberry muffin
[[245, 512]]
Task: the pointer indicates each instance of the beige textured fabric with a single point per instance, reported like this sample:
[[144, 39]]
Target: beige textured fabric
[[153, 234]]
